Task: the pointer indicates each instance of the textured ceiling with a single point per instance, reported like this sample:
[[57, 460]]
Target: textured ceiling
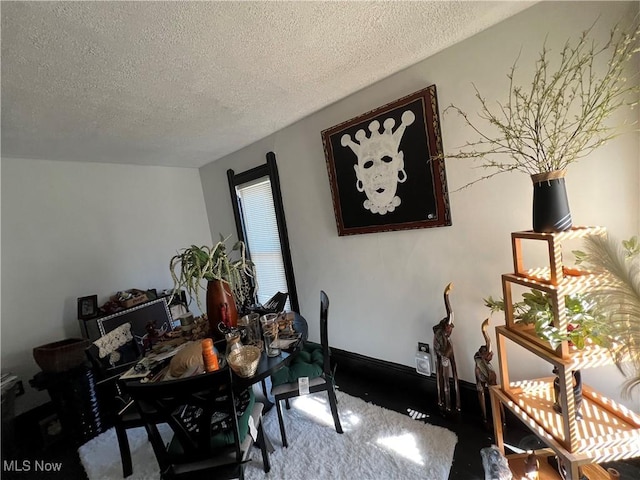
[[185, 83]]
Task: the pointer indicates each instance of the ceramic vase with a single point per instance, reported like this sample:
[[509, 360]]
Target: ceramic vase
[[221, 308], [550, 204]]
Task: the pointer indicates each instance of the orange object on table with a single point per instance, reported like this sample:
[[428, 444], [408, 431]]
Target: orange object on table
[[209, 356]]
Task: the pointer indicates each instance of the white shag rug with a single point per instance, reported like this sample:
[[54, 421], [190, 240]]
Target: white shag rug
[[376, 444]]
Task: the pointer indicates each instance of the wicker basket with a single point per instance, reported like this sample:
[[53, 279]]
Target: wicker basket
[[244, 361], [61, 356]]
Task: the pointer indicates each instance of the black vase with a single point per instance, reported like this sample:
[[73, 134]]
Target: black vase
[[550, 205]]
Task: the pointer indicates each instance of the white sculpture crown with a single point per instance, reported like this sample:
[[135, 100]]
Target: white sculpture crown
[[387, 141]]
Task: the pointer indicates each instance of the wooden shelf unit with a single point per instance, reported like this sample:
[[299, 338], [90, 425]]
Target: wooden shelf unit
[[608, 431], [547, 472], [556, 271]]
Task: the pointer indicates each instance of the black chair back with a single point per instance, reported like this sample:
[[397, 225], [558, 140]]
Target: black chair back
[[324, 334], [188, 406], [318, 384], [275, 304]]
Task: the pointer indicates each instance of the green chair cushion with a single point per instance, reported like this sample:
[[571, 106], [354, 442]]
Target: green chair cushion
[[224, 437], [308, 363]]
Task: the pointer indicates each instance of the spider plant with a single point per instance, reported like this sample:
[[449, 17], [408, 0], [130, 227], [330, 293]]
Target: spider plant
[[620, 303], [192, 267]]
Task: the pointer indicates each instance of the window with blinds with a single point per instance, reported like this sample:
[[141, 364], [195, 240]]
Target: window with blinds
[[261, 236]]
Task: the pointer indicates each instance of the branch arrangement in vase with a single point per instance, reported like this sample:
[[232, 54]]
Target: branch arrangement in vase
[[561, 116], [195, 264]]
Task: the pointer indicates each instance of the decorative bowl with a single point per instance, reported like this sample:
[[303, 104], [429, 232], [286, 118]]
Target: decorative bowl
[[244, 360], [62, 355]]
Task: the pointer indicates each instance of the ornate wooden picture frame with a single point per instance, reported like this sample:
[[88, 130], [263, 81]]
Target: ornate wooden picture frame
[[386, 169]]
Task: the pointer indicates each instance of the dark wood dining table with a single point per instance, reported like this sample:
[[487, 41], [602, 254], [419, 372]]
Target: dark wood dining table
[[267, 366]]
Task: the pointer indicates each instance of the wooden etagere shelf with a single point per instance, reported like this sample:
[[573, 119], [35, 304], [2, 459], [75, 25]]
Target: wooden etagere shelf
[[607, 431], [547, 472]]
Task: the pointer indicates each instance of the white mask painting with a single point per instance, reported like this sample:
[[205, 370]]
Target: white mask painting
[[380, 163]]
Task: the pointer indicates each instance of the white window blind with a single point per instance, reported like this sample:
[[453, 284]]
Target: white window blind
[[262, 238]]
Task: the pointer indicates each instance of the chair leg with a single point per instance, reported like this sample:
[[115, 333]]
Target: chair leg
[[125, 452], [333, 403], [283, 435], [266, 464], [286, 402]]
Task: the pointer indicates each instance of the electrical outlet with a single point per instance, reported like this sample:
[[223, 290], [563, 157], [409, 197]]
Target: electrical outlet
[[423, 347]]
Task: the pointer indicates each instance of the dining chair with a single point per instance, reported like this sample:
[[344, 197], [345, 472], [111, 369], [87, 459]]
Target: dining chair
[[275, 304], [312, 362], [110, 356], [212, 425]]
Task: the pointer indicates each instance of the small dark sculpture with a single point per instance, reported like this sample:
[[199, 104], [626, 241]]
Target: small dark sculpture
[[531, 467], [445, 358], [577, 392], [485, 374], [153, 335]]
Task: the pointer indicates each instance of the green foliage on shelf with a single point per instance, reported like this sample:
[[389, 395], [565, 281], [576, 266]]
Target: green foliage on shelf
[[609, 316], [585, 322]]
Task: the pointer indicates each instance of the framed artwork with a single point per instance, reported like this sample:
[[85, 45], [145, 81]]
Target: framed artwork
[[87, 307], [386, 169]]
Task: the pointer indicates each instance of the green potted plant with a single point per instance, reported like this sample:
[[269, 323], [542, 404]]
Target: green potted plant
[[556, 118], [224, 279], [585, 322]]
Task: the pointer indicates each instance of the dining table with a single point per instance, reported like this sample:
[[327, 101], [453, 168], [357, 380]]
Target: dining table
[[164, 351], [267, 366]]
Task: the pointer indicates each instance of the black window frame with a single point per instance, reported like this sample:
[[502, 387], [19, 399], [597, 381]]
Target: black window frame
[[270, 170]]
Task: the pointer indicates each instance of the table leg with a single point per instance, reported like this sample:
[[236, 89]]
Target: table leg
[[267, 443]]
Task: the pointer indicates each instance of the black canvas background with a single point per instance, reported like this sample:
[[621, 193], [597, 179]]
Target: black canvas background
[[417, 194]]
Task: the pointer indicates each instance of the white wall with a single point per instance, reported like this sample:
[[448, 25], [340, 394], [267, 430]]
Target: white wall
[[76, 229], [386, 288]]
